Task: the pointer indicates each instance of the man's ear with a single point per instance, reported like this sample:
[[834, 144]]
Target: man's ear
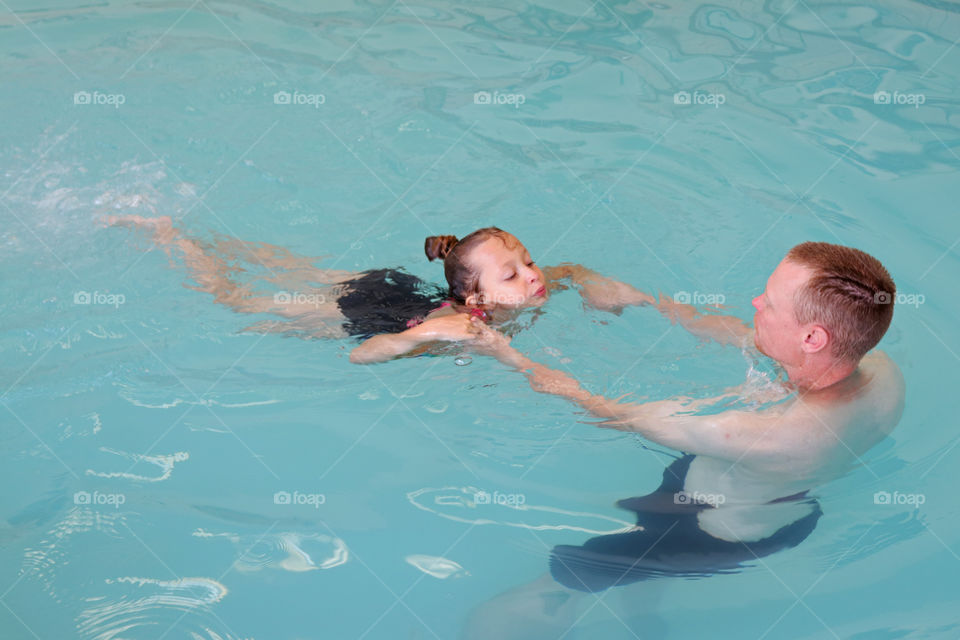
[[816, 339]]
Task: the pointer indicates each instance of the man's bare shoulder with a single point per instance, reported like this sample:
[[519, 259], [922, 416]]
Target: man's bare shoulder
[[867, 407], [880, 362], [888, 386]]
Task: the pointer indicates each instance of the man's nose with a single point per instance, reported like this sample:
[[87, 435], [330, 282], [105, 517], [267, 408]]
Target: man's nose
[[756, 303]]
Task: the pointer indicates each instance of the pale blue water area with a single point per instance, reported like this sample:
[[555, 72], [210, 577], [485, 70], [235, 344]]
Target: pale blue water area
[[676, 146]]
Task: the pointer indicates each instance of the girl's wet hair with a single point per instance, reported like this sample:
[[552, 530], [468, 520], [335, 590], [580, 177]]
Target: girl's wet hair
[[462, 278]]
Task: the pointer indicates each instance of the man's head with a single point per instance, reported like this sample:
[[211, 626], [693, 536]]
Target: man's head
[[825, 301]]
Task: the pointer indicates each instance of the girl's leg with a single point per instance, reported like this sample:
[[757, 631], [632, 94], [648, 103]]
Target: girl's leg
[[272, 256], [213, 274]]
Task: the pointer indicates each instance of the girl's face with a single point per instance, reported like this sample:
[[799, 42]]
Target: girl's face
[[508, 276]]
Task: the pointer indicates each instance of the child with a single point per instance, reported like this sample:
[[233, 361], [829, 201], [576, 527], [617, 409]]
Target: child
[[490, 276]]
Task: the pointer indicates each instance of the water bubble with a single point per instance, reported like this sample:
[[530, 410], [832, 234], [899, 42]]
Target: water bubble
[[462, 361]]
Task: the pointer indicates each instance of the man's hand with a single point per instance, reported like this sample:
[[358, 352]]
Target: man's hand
[[558, 383]]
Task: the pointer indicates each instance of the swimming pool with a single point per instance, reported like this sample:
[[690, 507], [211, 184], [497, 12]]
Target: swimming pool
[[168, 475]]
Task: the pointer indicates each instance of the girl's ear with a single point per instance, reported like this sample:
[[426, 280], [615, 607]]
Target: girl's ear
[[472, 299]]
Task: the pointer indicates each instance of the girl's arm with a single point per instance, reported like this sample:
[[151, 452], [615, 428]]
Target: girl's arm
[[458, 327], [598, 290], [721, 328], [608, 294]]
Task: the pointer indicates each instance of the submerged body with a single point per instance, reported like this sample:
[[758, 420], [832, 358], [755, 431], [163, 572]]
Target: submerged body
[[811, 439]]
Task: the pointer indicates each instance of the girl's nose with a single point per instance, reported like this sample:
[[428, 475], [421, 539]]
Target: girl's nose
[[756, 303]]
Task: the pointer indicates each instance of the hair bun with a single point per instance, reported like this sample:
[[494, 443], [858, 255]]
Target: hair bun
[[439, 246]]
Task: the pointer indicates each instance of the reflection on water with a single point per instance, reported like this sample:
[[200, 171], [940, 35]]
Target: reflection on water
[[288, 551], [148, 605]]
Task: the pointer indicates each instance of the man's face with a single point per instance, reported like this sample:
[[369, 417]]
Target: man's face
[[776, 331]]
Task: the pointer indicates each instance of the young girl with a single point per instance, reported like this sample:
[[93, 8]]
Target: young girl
[[490, 276]]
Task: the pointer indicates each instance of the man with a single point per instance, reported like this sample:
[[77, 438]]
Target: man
[[740, 492]]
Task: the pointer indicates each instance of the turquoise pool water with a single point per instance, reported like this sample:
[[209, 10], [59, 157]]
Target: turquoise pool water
[[168, 475]]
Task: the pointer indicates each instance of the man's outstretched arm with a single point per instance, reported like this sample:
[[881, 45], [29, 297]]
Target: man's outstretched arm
[[728, 435]]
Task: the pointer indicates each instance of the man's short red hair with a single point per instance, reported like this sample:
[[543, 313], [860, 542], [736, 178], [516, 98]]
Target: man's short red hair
[[850, 294]]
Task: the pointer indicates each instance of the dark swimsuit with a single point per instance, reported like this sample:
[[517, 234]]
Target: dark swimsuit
[[387, 301], [671, 542]]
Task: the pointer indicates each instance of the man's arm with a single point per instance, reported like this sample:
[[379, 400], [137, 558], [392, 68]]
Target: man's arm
[[727, 435]]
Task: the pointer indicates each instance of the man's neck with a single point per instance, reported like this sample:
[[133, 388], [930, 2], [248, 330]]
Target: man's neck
[[818, 375]]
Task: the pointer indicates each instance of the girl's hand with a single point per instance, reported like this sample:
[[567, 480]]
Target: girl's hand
[[458, 327]]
